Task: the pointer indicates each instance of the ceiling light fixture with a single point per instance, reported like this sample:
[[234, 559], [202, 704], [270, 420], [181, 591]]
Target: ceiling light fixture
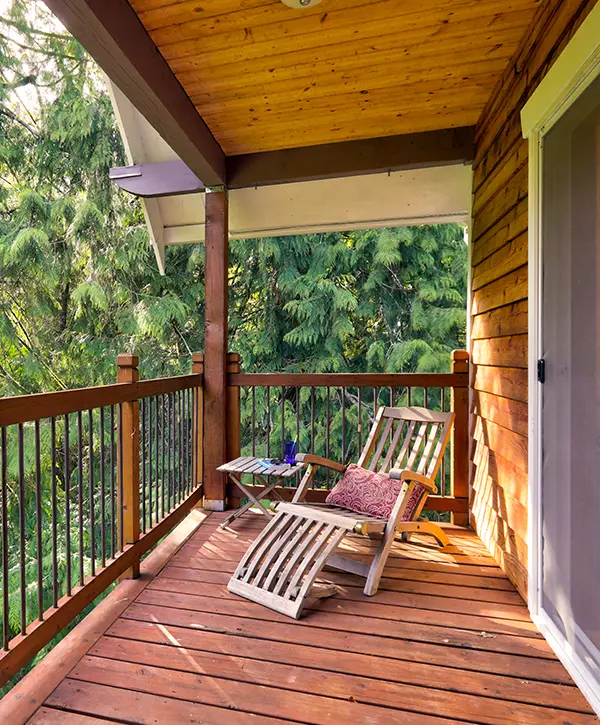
[[300, 4]]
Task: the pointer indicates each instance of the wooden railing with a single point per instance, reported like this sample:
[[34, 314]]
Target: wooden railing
[[330, 415], [90, 480]]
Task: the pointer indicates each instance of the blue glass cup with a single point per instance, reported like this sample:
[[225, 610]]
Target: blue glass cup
[[291, 448]]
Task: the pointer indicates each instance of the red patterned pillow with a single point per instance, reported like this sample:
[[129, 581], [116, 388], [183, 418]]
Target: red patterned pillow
[[367, 492]]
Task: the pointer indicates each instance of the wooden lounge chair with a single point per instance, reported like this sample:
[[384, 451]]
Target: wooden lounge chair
[[280, 567]]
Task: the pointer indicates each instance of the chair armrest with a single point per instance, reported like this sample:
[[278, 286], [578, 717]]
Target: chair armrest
[[319, 461], [425, 481]]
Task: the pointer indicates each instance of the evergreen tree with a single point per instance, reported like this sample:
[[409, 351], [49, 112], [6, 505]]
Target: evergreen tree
[[385, 300]]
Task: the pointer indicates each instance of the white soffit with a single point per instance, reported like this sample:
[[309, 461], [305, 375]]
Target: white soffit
[[400, 198]]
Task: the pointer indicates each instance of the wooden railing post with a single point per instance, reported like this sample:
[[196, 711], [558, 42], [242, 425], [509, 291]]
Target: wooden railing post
[[215, 351], [459, 442], [198, 454], [233, 443], [128, 451]]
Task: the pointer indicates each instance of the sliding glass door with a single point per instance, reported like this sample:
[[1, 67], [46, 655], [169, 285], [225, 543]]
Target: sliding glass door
[[570, 394]]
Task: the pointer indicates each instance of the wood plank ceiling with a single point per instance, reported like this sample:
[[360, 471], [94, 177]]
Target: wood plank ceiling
[[265, 76]]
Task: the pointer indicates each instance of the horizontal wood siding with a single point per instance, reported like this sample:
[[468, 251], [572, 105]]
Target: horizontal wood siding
[[499, 297]]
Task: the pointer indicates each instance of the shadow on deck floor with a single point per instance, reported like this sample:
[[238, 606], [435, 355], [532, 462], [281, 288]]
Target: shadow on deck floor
[[446, 640]]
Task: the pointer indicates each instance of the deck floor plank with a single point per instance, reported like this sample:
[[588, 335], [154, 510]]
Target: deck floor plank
[[366, 690], [375, 667], [446, 640], [330, 632]]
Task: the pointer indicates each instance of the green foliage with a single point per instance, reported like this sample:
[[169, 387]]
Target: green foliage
[[390, 300]]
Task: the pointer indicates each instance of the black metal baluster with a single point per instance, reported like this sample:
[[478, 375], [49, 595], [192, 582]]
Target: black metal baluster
[[268, 392], [173, 449], [409, 396], [191, 440], [176, 451], [343, 425], [143, 452], [327, 429], [67, 468], [54, 513], [92, 497], [5, 624], [113, 528], [102, 488], [312, 420], [426, 397], [164, 418], [375, 401], [22, 531], [120, 477], [282, 421], [253, 420], [297, 430], [150, 480], [38, 521], [393, 430], [359, 420]]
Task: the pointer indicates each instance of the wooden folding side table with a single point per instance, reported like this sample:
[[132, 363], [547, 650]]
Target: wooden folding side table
[[252, 466]]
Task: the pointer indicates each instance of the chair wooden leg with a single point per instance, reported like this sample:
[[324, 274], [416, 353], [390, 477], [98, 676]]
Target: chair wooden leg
[[379, 561], [424, 527]]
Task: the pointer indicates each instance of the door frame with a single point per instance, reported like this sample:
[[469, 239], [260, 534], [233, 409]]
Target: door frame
[[574, 70]]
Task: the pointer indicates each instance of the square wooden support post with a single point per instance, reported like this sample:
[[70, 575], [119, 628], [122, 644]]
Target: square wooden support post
[[128, 452], [234, 446], [198, 445], [459, 441], [216, 267]]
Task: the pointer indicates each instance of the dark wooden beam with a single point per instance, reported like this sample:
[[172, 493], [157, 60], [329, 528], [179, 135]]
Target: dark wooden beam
[[215, 347], [351, 158], [114, 36]]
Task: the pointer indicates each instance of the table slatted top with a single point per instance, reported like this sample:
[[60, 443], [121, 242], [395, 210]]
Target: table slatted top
[[253, 466]]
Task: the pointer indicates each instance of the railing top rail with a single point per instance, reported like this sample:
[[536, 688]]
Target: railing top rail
[[360, 380], [26, 408]]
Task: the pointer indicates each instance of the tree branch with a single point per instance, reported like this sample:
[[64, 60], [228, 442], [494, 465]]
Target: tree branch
[[33, 31], [13, 116], [42, 51]]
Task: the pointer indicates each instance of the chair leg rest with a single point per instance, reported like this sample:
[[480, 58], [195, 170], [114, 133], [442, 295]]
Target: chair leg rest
[[424, 527]]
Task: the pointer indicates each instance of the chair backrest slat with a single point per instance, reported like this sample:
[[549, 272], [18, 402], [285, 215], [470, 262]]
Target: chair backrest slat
[[393, 445], [431, 436], [405, 447], [415, 448], [373, 435], [436, 458], [381, 445], [415, 437]]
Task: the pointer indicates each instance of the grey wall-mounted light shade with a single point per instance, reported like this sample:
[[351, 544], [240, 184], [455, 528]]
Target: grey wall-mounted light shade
[[166, 178]]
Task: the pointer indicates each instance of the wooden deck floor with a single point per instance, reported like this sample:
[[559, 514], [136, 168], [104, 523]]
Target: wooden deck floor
[[446, 640]]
